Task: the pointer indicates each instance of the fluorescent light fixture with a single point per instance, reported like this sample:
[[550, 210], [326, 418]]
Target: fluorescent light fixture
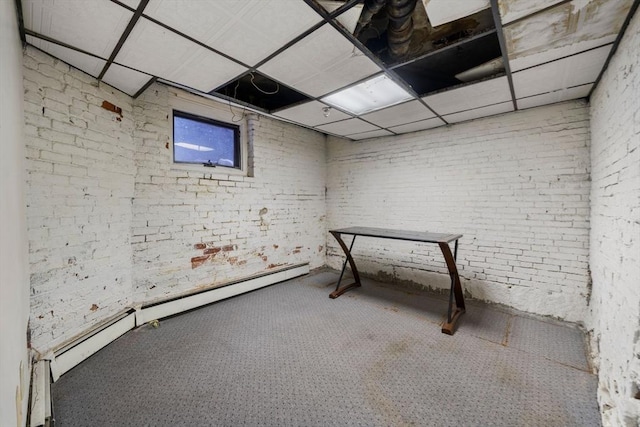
[[373, 94], [193, 146]]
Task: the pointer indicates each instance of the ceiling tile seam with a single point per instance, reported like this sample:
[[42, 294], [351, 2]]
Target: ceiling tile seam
[[476, 108], [616, 43], [497, 21], [75, 49], [359, 118], [299, 103], [556, 90], [344, 8], [140, 91], [444, 123], [390, 128], [126, 6], [390, 73], [565, 57], [443, 49], [537, 12], [123, 38], [465, 84], [368, 131], [74, 67], [287, 45], [32, 33], [193, 40]]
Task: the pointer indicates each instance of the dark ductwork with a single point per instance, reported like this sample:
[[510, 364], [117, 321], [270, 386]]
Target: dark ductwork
[[400, 27], [400, 23], [371, 7]]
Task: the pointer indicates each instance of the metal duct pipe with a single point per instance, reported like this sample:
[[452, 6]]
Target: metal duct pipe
[[371, 7], [400, 27]]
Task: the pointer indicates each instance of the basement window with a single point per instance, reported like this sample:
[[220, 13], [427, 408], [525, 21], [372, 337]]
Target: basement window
[[204, 141]]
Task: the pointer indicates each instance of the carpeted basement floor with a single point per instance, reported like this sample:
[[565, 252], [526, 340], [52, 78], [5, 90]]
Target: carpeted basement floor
[[288, 355]]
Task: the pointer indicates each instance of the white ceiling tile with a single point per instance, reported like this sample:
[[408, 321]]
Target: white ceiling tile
[[555, 96], [490, 110], [348, 19], [347, 127], [311, 114], [87, 63], [443, 11], [155, 50], [320, 63], [510, 10], [94, 26], [471, 96], [564, 30], [568, 72], [416, 126], [127, 80], [247, 30], [133, 4], [371, 134], [408, 112]]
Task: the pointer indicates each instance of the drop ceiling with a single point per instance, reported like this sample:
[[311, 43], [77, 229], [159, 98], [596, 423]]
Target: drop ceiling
[[457, 59]]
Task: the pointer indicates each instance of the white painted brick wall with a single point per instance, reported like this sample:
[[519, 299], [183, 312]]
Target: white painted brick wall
[[112, 222], [516, 186], [80, 185], [191, 230], [615, 232]]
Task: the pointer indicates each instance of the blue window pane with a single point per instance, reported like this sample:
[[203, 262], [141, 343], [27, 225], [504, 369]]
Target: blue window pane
[[201, 141]]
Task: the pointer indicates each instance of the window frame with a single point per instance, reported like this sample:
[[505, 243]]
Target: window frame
[[211, 109], [237, 149]]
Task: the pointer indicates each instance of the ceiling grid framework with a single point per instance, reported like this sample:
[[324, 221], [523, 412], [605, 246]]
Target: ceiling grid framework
[[459, 62]]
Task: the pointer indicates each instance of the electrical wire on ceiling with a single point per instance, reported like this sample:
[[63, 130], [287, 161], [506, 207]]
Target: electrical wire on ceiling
[[262, 90]]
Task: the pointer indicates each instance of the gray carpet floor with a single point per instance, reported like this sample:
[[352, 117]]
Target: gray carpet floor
[[288, 355]]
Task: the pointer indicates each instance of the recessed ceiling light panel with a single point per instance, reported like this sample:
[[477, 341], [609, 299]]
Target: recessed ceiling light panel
[[373, 94]]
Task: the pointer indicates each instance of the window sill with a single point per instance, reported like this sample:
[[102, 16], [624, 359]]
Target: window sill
[[220, 173]]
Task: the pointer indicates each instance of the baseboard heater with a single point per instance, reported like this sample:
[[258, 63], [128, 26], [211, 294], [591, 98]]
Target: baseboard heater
[[80, 349]]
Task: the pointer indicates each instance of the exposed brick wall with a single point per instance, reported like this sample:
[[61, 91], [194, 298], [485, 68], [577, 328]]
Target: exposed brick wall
[[80, 186], [516, 186], [200, 228], [112, 223], [615, 232]]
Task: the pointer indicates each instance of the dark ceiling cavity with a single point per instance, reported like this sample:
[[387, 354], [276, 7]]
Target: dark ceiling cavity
[[399, 33], [262, 92], [438, 69]]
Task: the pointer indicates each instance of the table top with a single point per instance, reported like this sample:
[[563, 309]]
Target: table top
[[385, 233]]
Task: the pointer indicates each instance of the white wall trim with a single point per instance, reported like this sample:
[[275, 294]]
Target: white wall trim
[[158, 311], [73, 353]]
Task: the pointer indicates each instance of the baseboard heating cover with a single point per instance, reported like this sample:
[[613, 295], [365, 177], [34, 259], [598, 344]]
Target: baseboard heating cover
[[169, 308], [75, 352]]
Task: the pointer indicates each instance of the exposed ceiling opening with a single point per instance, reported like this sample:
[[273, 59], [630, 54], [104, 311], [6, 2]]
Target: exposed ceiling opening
[[262, 92], [455, 60]]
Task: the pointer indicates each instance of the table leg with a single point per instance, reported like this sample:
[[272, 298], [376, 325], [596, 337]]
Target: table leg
[[347, 251], [455, 291]]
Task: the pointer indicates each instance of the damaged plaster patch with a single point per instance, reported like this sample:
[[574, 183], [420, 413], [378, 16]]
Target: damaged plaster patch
[[510, 10], [564, 30]]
